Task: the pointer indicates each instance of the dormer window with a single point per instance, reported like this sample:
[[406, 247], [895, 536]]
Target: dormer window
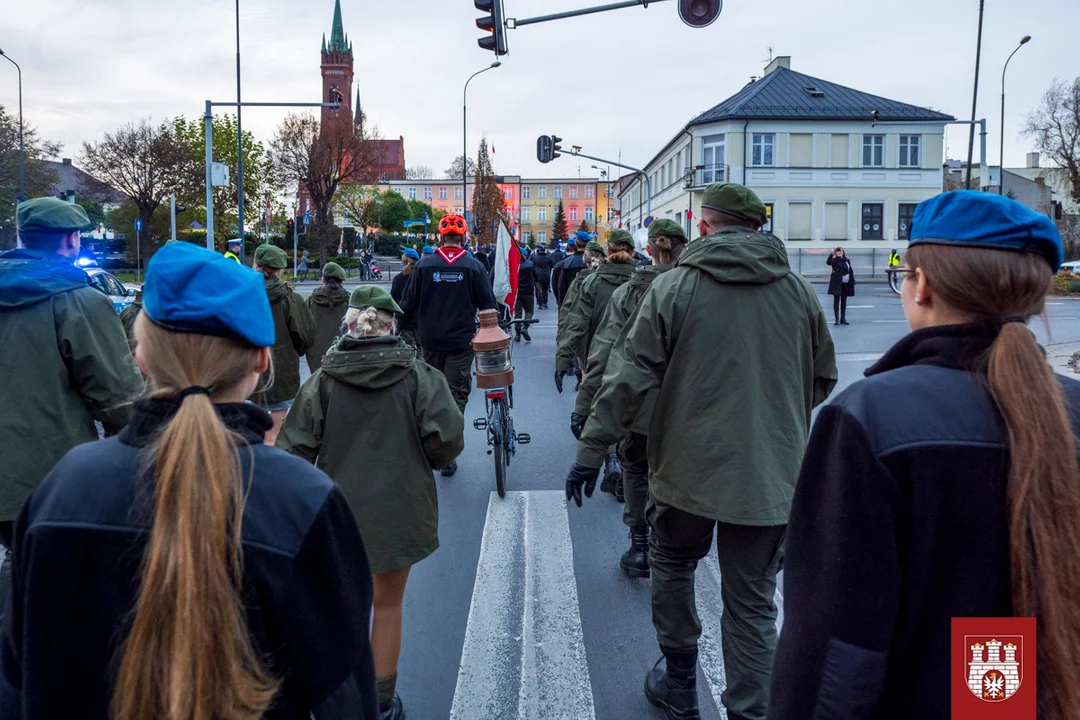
[[814, 92]]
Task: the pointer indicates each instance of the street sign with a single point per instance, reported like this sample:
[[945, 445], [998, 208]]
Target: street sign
[[307, 218], [138, 224], [648, 221]]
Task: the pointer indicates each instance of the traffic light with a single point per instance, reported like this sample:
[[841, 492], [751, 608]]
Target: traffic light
[[543, 148], [288, 226], [556, 150], [494, 24], [700, 13]]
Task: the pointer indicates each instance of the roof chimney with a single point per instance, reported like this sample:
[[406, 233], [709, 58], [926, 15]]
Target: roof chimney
[[67, 161], [1033, 159], [780, 61]]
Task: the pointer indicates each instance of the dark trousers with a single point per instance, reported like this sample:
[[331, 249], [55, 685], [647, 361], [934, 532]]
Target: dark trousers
[[839, 305], [7, 535], [524, 307], [456, 365], [750, 558], [542, 288], [634, 459]]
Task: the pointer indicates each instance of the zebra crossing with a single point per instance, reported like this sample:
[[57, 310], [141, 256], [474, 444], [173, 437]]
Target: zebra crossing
[[524, 653]]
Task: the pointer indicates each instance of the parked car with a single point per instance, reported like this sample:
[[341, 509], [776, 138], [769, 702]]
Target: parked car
[[1072, 266], [120, 295]]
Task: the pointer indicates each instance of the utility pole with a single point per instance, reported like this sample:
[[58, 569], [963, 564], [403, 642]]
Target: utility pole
[[22, 155], [974, 100], [239, 145], [172, 215]]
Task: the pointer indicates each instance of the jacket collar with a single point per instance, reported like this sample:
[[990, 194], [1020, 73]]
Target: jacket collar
[[959, 347], [249, 421]]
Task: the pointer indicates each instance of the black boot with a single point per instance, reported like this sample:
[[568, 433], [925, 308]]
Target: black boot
[[672, 685], [620, 493], [843, 318], [525, 334], [612, 474], [517, 335], [450, 469], [635, 561], [394, 710], [837, 318]]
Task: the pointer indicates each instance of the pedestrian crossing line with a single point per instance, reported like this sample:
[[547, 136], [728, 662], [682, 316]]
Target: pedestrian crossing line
[[524, 652]]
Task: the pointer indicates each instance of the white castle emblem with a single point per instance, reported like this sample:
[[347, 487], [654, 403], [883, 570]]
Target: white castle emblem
[[989, 677]]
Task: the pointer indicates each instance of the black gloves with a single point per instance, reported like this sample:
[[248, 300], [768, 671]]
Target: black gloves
[[580, 476], [559, 375], [577, 424]]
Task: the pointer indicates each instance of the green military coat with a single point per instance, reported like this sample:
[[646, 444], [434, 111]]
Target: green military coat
[[739, 352], [294, 329], [585, 310], [327, 304], [128, 316], [377, 420]]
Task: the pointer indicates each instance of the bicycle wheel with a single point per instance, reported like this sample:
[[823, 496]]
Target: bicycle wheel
[[895, 281], [499, 436]]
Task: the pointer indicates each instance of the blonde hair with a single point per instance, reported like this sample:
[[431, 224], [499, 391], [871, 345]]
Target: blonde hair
[[188, 654], [594, 259], [407, 265], [368, 322]]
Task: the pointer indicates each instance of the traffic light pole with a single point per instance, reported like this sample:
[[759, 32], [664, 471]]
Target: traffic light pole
[[513, 23], [648, 185]]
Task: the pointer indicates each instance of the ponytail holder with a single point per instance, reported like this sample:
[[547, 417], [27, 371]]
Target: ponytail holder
[[193, 390], [1014, 319]]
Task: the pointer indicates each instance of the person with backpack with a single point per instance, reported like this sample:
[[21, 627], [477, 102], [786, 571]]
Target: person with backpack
[[327, 304]]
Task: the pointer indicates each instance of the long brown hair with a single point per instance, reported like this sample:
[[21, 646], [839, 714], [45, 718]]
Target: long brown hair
[[188, 655], [666, 250], [1044, 477]]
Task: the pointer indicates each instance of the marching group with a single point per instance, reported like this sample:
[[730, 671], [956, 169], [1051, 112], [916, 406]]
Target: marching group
[[240, 543]]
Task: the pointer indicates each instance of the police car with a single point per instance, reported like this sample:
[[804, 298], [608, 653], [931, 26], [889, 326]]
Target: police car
[[120, 295]]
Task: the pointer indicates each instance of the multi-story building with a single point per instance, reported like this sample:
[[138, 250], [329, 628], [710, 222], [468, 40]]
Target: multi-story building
[[834, 166]]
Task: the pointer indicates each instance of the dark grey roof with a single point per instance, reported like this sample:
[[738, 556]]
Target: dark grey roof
[[784, 94], [71, 179]]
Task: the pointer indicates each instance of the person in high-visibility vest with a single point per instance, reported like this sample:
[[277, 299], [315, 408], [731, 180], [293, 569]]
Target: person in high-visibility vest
[[894, 259], [234, 249]]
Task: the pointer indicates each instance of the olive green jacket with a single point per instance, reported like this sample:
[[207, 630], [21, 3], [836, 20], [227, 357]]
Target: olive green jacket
[[327, 304], [128, 316], [294, 329], [586, 309], [739, 350], [377, 420], [620, 310], [569, 298], [65, 363]]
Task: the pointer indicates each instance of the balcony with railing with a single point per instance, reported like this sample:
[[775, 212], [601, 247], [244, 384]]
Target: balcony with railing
[[704, 175]]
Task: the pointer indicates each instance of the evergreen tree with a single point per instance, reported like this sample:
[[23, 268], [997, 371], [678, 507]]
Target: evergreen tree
[[489, 205], [584, 227], [559, 233]]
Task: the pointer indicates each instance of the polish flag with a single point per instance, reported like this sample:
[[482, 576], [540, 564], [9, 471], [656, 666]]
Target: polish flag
[[507, 262]]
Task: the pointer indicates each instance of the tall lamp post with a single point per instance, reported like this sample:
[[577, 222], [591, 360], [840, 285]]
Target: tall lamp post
[[465, 136], [1001, 152], [974, 97], [239, 148], [22, 158]]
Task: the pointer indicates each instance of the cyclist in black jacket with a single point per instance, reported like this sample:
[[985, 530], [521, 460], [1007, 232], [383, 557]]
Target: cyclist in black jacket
[[447, 289]]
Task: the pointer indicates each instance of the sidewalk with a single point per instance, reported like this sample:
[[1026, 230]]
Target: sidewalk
[[1061, 357]]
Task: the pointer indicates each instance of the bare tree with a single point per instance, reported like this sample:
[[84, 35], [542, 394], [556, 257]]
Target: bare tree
[[318, 159], [1055, 127], [419, 172], [146, 163], [39, 177], [454, 171]]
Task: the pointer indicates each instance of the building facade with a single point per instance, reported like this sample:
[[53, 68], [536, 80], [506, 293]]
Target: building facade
[[834, 166]]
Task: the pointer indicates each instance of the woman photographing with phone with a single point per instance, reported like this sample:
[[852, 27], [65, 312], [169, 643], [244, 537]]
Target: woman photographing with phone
[[841, 283]]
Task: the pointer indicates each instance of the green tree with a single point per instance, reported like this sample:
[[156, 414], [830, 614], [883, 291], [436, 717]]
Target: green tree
[[559, 232], [39, 177], [584, 226], [489, 204], [395, 211]]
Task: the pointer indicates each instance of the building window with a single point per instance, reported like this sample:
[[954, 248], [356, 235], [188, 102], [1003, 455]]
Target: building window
[[609, 192], [573, 214], [873, 216], [589, 192], [457, 193], [526, 214], [589, 213], [610, 214], [526, 192], [713, 157], [427, 193], [541, 192], [508, 193], [541, 214], [457, 211], [762, 152], [907, 212], [909, 151], [541, 237], [873, 150], [768, 226], [557, 192], [528, 237], [442, 193], [678, 166], [412, 193], [573, 192], [397, 190]]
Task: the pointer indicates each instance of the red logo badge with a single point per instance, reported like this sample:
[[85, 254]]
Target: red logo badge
[[993, 668]]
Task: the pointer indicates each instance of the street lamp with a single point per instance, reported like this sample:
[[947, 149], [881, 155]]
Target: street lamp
[[22, 159], [1001, 153], [465, 136]]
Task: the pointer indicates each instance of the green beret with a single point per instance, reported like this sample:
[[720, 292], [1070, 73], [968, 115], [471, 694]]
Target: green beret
[[373, 296], [596, 248], [736, 200], [48, 214], [620, 237], [667, 228], [333, 270], [271, 256]]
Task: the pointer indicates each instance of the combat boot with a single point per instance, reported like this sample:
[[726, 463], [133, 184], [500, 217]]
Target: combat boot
[[672, 685], [525, 334], [635, 561], [517, 335], [612, 474]]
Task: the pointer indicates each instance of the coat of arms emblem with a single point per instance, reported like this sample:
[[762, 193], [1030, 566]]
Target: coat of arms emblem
[[994, 669]]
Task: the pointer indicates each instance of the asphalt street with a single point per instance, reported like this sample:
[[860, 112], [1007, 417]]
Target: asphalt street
[[523, 611]]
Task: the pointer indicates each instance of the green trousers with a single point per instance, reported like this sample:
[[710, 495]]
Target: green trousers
[[633, 453], [525, 305], [750, 557], [456, 365]]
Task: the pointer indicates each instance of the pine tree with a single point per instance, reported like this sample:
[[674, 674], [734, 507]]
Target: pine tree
[[559, 233], [584, 226], [489, 204]]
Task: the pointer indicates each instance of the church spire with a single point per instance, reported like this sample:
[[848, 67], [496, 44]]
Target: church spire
[[358, 117], [337, 32]]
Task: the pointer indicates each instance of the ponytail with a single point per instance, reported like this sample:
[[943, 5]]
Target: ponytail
[[188, 655], [368, 322], [620, 257], [1044, 475]]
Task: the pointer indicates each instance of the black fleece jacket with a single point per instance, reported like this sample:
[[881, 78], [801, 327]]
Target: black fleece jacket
[[78, 551], [442, 297], [899, 523]]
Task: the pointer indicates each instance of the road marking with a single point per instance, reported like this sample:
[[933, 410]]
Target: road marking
[[859, 307], [858, 357], [1060, 303], [524, 653], [889, 321]]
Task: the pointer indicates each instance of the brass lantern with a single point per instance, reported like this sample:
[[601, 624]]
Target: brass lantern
[[492, 348]]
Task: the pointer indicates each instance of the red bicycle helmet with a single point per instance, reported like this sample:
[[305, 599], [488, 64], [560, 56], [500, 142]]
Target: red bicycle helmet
[[452, 225]]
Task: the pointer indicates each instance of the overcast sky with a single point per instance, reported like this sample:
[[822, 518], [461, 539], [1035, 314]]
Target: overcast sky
[[623, 81]]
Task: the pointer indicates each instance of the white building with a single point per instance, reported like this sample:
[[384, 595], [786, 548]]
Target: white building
[[811, 149]]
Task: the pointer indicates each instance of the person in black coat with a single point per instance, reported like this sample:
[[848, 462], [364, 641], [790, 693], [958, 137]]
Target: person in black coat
[[571, 266], [525, 303], [126, 557], [841, 283], [945, 485], [543, 263]]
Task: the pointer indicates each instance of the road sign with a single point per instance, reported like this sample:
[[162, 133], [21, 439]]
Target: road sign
[[648, 221], [138, 224], [307, 218]]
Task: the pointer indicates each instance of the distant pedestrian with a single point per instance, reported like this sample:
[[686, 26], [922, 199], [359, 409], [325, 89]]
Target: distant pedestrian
[[406, 329], [378, 420], [234, 249], [327, 304], [295, 329], [186, 570], [841, 283], [526, 299], [894, 259], [943, 485], [571, 266], [302, 266], [543, 262]]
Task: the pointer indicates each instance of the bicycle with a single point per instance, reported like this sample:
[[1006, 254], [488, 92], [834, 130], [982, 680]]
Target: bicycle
[[502, 439], [896, 279]]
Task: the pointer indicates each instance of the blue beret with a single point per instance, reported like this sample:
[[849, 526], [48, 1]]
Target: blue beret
[[410, 253], [428, 250], [583, 236], [969, 218], [191, 289]]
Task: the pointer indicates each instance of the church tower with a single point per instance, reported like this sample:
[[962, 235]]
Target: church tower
[[337, 68]]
